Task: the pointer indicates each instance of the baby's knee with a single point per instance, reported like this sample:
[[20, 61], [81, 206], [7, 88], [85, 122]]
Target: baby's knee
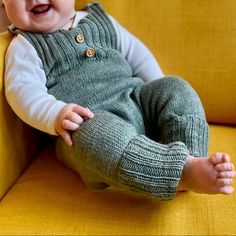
[[180, 97], [181, 91], [169, 87], [177, 85]]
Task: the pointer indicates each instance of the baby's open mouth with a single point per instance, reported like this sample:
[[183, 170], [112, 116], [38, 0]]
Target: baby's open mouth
[[40, 9]]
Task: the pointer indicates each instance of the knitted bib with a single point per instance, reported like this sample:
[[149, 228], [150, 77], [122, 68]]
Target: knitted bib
[[83, 66]]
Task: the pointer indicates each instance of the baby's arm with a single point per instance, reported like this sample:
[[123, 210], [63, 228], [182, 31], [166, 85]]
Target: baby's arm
[[25, 87], [26, 92], [140, 58]]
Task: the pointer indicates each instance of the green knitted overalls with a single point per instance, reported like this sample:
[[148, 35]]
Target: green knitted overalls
[[141, 134]]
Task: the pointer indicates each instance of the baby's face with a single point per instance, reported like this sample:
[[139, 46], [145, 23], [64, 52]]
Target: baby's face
[[40, 15]]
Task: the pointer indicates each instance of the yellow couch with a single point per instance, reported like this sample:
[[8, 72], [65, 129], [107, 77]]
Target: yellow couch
[[193, 39]]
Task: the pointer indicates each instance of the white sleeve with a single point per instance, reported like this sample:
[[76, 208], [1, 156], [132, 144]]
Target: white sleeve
[[142, 61], [25, 87]]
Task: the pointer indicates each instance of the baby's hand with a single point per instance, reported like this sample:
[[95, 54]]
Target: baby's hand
[[69, 119]]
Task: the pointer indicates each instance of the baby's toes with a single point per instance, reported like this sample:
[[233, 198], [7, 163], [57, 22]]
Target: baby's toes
[[219, 157], [226, 189], [224, 167], [227, 174], [226, 157], [224, 182]]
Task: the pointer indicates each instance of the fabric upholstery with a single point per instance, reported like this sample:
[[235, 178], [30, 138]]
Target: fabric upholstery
[[193, 39], [18, 142], [49, 199]]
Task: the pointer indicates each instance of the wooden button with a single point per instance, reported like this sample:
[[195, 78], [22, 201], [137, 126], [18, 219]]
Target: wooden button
[[80, 38], [90, 52]]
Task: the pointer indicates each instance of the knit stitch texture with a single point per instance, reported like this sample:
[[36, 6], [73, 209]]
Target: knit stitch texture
[[114, 148]]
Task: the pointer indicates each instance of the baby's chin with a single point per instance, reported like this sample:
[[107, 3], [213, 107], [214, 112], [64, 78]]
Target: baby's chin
[[49, 28], [43, 28], [40, 26]]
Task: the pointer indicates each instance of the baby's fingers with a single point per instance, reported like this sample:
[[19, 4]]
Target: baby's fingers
[[75, 118], [67, 138], [83, 112], [69, 125]]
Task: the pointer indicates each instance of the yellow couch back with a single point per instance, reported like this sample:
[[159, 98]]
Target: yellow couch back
[[193, 39], [18, 142]]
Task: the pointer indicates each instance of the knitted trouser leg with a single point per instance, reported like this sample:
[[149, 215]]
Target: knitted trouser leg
[[173, 112], [109, 151]]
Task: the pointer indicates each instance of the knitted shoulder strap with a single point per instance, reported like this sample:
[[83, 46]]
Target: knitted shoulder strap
[[60, 47], [98, 14]]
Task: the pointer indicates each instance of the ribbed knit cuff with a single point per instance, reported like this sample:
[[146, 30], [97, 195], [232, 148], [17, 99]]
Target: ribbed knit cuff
[[99, 144], [152, 168], [193, 131]]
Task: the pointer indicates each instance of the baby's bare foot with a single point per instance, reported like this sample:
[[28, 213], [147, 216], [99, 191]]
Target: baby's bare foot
[[208, 175]]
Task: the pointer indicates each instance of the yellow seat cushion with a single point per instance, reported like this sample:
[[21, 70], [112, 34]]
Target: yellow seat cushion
[[50, 199]]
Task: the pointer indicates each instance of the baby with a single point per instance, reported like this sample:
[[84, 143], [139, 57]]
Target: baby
[[119, 120]]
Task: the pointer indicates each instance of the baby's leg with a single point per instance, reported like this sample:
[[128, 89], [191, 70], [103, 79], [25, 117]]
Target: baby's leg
[[109, 151], [208, 175], [174, 112]]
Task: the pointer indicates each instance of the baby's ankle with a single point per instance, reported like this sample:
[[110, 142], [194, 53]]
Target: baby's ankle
[[183, 183]]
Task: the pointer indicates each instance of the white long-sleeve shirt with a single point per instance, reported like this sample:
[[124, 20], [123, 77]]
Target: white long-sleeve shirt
[[25, 78]]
